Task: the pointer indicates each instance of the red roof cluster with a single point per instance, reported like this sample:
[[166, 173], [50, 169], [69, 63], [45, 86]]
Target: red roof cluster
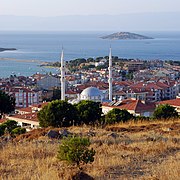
[[172, 102], [136, 105]]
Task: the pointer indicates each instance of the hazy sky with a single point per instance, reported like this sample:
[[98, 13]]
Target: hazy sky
[[85, 7]]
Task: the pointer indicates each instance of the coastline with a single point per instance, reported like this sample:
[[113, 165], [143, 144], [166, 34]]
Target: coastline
[[21, 60], [7, 49]]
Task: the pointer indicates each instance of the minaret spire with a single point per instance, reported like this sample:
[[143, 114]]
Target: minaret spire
[[110, 75], [62, 75]]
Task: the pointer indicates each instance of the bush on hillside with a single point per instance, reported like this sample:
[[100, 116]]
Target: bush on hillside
[[10, 125], [7, 127], [117, 115], [18, 131], [165, 111], [75, 150]]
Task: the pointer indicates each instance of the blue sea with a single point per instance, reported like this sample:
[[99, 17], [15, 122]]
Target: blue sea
[[36, 47]]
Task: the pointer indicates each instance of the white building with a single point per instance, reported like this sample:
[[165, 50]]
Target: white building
[[25, 97]]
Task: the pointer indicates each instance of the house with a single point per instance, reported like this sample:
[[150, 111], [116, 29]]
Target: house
[[27, 117], [71, 80], [135, 107], [71, 94], [25, 96], [29, 120]]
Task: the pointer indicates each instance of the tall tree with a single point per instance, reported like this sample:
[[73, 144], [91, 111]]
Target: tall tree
[[7, 103], [89, 111], [58, 114]]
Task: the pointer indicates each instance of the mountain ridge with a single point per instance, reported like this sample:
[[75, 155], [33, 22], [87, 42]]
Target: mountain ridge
[[125, 22]]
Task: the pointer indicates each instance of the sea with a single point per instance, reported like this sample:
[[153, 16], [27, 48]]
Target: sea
[[34, 48]]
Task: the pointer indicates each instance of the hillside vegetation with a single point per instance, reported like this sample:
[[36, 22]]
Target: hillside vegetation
[[131, 150]]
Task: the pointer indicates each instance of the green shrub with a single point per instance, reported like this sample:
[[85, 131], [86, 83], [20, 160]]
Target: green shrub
[[2, 129], [75, 150], [10, 125], [7, 126], [165, 111], [18, 131], [117, 115]]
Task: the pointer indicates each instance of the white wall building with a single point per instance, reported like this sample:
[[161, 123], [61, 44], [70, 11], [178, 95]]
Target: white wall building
[[25, 97]]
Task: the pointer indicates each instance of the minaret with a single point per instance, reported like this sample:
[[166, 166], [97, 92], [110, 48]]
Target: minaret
[[62, 76], [110, 75]]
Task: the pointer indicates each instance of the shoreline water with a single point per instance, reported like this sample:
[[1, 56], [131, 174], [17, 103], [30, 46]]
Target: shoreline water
[[36, 48], [21, 60]]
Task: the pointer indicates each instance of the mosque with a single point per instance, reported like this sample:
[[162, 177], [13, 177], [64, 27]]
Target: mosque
[[90, 93], [135, 107]]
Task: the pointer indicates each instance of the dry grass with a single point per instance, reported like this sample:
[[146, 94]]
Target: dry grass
[[141, 150]]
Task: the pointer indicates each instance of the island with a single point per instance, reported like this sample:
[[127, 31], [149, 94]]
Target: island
[[7, 49], [125, 35]]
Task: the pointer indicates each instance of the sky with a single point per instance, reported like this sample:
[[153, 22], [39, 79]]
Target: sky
[[46, 8]]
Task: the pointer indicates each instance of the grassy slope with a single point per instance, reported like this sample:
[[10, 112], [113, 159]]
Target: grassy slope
[[141, 151]]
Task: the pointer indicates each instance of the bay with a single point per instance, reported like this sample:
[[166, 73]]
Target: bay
[[36, 47]]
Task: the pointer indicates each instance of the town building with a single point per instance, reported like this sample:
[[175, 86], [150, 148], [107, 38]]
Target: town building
[[24, 97], [135, 107], [48, 83]]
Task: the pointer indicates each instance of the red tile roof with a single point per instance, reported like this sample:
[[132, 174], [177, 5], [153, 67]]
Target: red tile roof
[[40, 105], [135, 105], [162, 85], [172, 102], [30, 117], [71, 92], [26, 109], [2, 120]]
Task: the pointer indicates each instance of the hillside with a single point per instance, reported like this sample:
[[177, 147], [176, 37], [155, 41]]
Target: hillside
[[125, 35], [141, 150]]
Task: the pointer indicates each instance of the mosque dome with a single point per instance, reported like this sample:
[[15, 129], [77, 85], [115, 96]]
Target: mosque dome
[[91, 93]]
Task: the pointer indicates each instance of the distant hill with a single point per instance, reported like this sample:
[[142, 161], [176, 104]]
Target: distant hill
[[7, 49], [125, 35], [125, 22]]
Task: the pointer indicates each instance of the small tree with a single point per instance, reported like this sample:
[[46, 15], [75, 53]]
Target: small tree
[[75, 150], [88, 111], [117, 115], [165, 111]]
